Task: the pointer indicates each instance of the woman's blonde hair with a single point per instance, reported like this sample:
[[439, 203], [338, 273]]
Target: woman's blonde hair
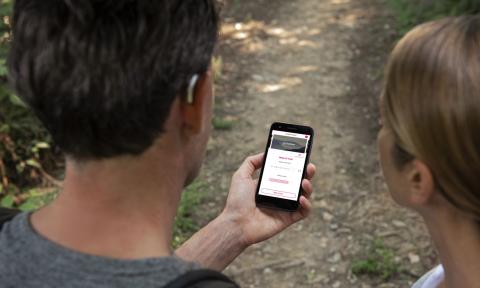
[[431, 103]]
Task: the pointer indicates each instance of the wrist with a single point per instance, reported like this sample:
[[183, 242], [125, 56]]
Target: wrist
[[229, 224], [216, 245]]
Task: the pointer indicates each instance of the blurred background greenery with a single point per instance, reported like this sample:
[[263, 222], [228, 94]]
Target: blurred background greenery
[[25, 147], [412, 12]]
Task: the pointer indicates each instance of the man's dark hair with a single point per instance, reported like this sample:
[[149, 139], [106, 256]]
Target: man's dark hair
[[102, 74]]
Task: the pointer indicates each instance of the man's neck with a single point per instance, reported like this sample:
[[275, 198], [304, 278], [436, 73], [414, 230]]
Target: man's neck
[[121, 208], [457, 239]]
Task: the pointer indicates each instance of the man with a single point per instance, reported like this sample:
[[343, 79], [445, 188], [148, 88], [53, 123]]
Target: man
[[125, 88]]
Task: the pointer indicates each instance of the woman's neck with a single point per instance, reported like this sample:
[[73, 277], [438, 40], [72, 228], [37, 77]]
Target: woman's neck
[[457, 239]]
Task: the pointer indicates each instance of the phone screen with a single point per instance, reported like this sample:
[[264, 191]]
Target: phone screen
[[284, 165]]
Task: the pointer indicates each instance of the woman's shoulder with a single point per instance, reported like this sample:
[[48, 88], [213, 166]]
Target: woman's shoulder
[[431, 279]]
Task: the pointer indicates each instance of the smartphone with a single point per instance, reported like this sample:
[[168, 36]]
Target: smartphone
[[285, 163]]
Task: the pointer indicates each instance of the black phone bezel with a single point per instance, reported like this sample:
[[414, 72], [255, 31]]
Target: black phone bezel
[[278, 203]]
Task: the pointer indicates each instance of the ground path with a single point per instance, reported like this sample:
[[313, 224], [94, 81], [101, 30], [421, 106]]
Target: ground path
[[319, 63]]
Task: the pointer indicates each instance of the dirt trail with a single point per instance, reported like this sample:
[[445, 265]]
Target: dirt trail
[[319, 63]]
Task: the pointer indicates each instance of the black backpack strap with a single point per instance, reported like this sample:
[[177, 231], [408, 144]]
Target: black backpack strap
[[6, 215], [202, 278]]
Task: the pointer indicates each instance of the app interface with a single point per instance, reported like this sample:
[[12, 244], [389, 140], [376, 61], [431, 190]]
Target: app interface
[[284, 165]]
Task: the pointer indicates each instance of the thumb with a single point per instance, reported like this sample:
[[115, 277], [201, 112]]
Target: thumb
[[250, 165]]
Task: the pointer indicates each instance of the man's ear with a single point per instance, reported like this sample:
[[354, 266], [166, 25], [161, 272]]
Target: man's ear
[[195, 104], [421, 185]]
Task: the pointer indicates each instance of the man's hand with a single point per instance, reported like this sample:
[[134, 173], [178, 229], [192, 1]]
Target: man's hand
[[258, 224], [242, 223]]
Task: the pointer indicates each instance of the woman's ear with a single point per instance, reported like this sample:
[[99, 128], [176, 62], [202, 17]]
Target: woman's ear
[[195, 106], [421, 185]]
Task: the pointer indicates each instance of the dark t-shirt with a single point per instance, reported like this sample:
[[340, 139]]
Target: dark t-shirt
[[29, 260]]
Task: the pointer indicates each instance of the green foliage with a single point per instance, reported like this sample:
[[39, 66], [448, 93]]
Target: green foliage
[[412, 12], [24, 143], [5, 11], [378, 263], [185, 226], [36, 198], [222, 123]]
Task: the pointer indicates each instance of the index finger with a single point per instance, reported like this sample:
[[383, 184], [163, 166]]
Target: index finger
[[311, 168]]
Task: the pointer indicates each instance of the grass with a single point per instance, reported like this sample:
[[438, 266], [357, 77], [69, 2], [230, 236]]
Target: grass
[[185, 225], [222, 123], [378, 263]]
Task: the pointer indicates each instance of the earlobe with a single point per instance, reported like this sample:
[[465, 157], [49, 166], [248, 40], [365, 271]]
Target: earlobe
[[421, 184]]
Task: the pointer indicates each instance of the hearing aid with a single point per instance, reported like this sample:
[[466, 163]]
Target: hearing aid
[[191, 89]]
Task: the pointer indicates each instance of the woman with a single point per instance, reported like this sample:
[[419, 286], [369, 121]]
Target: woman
[[430, 141]]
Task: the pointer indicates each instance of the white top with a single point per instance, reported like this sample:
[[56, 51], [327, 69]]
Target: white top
[[432, 279]]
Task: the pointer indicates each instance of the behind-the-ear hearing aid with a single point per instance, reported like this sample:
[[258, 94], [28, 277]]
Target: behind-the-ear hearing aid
[[191, 89]]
